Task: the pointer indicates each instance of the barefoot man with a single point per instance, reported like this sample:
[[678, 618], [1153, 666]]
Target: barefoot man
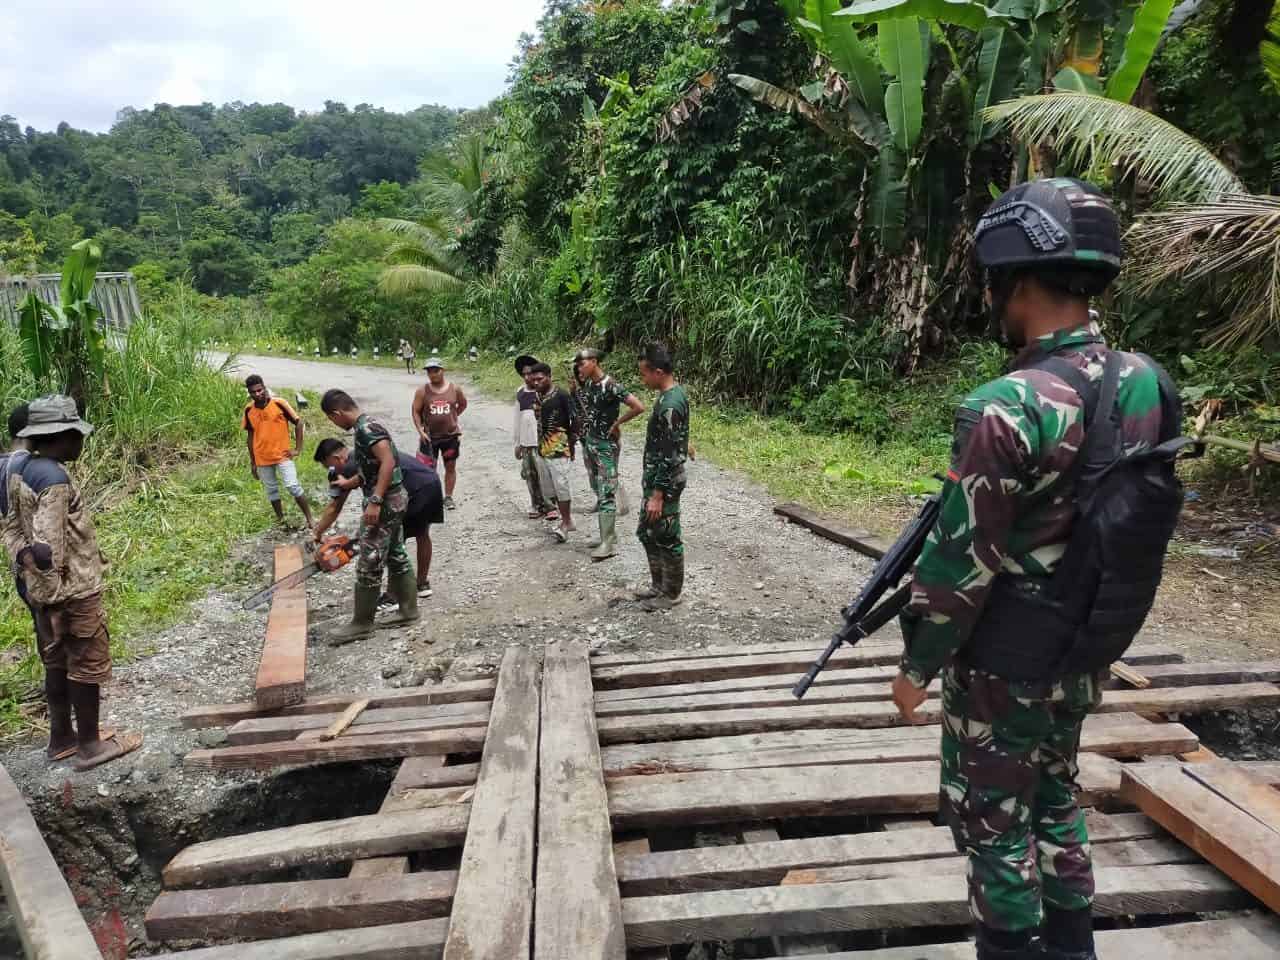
[[50, 537]]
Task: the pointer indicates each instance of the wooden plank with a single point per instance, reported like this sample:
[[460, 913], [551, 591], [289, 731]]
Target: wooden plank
[[269, 910], [48, 920], [413, 770], [1234, 938], [279, 729], [325, 841], [823, 747], [765, 864], [1159, 674], [1250, 793], [493, 906], [722, 650], [867, 544], [364, 731], [264, 756], [799, 945], [1130, 675], [582, 918], [865, 654], [225, 714], [899, 902], [419, 940], [346, 719], [1226, 836], [767, 794], [282, 670], [1125, 853], [715, 723]]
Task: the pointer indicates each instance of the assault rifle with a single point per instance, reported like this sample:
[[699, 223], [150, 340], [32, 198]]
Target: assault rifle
[[865, 615]]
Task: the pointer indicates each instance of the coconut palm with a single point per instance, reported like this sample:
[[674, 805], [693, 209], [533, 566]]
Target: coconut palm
[[1207, 229]]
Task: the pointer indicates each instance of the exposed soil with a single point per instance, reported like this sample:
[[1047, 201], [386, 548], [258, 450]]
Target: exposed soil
[[499, 578]]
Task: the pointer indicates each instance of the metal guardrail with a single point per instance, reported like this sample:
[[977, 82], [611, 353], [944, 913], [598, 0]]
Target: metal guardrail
[[115, 294]]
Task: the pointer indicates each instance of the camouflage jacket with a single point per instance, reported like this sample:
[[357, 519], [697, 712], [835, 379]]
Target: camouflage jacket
[[45, 507], [666, 443], [368, 434], [1006, 506], [600, 403]]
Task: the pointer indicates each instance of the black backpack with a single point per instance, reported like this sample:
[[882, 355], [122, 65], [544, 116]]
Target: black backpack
[[1084, 617]]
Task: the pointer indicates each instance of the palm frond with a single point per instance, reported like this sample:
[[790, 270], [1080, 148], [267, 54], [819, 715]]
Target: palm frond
[[429, 231], [1092, 131], [424, 256], [1233, 243], [403, 278]]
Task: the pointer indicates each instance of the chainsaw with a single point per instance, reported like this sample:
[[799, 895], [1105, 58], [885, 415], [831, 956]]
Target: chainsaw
[[334, 554]]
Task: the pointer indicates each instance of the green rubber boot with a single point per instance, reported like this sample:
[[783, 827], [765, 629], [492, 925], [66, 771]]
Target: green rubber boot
[[361, 625], [608, 546], [405, 589], [655, 573]]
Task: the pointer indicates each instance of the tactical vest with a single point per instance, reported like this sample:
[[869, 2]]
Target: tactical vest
[[1083, 617]]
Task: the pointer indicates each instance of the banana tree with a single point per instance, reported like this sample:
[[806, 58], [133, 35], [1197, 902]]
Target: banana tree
[[63, 343]]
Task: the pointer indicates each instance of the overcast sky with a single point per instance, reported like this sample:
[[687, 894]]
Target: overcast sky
[[82, 60]]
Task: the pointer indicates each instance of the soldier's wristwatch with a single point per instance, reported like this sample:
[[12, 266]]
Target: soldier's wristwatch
[[376, 500]]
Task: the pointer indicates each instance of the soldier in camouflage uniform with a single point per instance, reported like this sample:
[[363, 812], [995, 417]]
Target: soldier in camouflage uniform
[[602, 399], [381, 528], [666, 447], [1009, 746]]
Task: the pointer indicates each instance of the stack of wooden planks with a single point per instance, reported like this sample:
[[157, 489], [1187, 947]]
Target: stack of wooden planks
[[713, 739]]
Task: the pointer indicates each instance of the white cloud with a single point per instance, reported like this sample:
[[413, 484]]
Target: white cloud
[[81, 61]]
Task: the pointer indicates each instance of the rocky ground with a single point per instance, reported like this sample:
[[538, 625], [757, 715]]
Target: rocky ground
[[499, 579]]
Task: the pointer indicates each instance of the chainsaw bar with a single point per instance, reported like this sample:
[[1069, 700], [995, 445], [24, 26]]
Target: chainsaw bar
[[265, 594]]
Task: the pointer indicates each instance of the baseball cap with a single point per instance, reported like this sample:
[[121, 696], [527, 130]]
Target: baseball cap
[[434, 363], [53, 414]]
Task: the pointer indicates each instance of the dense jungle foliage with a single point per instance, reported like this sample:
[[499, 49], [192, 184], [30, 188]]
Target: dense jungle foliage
[[782, 188]]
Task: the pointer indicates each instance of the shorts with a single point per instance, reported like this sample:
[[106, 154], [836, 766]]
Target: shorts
[[446, 449], [277, 475], [72, 636], [560, 469]]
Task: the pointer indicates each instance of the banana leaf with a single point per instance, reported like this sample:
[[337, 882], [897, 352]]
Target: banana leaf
[[888, 206], [1148, 24], [1269, 49], [961, 13], [1073, 81], [999, 68], [37, 343], [904, 99], [849, 54]]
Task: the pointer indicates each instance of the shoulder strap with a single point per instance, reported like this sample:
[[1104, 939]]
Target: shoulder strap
[[1098, 446]]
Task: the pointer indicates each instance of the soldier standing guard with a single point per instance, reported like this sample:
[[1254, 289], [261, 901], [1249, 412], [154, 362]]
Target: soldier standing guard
[[1013, 704], [381, 527], [602, 399], [666, 447]]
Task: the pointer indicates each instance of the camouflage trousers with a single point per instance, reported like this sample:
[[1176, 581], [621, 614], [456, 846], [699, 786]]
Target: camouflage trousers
[[601, 458], [534, 473], [382, 546], [1009, 793]]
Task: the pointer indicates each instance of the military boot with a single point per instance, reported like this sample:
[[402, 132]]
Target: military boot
[[1068, 934], [672, 584], [608, 545], [404, 587], [655, 574], [361, 625], [621, 499], [996, 945]]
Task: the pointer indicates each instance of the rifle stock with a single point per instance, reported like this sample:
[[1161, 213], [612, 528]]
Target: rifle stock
[[867, 614]]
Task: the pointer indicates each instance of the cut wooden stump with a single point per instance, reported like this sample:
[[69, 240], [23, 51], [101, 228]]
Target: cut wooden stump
[[765, 864], [269, 910], [867, 544], [419, 940], [493, 906], [899, 902], [282, 671], [225, 714], [49, 922], [1229, 837], [413, 771], [1130, 676], [582, 918], [327, 841]]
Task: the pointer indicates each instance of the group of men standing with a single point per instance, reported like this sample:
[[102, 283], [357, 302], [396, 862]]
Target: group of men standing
[[551, 422]]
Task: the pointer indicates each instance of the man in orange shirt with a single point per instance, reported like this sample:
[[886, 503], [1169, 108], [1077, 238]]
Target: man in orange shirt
[[266, 421]]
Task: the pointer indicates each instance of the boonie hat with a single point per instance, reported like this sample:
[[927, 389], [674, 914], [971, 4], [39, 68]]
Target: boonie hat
[[435, 363], [53, 414]]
